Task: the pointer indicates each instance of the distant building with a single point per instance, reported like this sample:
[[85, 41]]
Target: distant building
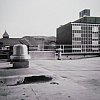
[[41, 42], [6, 43], [82, 35]]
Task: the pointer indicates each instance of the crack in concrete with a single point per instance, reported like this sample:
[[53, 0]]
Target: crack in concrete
[[34, 93]]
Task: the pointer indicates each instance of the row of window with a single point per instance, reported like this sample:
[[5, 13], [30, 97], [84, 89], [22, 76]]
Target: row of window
[[85, 25], [83, 28], [86, 42], [77, 39], [76, 50], [89, 50], [87, 46], [76, 46], [84, 31], [85, 39], [85, 35]]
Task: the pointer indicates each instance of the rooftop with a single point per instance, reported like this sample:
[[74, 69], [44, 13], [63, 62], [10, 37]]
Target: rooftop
[[13, 41], [89, 20], [72, 80]]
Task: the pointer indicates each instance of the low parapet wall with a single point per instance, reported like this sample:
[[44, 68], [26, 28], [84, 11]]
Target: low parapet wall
[[39, 55]]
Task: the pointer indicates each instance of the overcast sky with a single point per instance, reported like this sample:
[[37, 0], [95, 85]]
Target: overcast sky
[[41, 17]]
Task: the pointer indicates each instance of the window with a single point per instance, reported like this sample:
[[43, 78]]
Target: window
[[95, 36], [95, 29], [77, 35], [76, 27]]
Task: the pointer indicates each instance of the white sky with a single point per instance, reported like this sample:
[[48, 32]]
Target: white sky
[[41, 17]]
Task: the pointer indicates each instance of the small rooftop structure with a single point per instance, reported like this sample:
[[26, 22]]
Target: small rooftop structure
[[5, 35], [85, 12]]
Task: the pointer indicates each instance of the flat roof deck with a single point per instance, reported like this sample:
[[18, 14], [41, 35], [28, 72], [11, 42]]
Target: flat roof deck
[[77, 79]]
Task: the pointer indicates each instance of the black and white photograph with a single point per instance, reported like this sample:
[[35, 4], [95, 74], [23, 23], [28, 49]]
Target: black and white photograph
[[49, 49]]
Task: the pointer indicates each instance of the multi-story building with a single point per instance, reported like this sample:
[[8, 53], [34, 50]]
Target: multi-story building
[[82, 35]]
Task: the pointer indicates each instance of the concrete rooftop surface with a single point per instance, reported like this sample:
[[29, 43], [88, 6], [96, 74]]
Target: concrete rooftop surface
[[77, 79]]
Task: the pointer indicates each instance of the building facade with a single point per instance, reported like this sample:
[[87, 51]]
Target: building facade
[[82, 35]]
